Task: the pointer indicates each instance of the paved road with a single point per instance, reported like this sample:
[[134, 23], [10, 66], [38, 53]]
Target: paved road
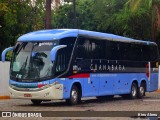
[[151, 102]]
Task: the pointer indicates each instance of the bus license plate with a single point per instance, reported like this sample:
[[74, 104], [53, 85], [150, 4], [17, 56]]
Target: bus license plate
[[27, 95]]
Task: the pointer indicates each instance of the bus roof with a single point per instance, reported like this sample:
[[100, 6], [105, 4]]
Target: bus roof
[[48, 35], [56, 34]]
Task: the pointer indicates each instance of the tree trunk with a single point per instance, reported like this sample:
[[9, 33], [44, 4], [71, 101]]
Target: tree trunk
[[155, 21], [48, 14], [57, 2]]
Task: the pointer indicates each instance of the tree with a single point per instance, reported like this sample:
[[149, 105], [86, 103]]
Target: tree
[[48, 14], [64, 17], [18, 17], [110, 16], [154, 6]]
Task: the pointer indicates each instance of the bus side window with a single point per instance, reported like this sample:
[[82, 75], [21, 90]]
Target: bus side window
[[146, 52], [83, 48], [135, 52], [108, 50], [154, 53], [123, 51], [115, 48], [61, 62], [69, 41], [96, 52], [89, 48], [64, 55]]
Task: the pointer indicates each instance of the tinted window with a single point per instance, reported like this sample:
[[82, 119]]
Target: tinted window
[[61, 61], [83, 49], [154, 52], [64, 55], [90, 48], [123, 51], [134, 52]]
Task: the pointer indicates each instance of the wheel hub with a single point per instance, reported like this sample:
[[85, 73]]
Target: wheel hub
[[141, 90], [74, 95], [133, 91]]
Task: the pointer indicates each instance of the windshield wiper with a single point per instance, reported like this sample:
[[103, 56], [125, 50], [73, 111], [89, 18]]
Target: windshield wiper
[[22, 70]]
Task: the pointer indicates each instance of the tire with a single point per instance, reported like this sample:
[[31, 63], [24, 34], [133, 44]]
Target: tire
[[141, 91], [134, 91], [75, 96], [36, 102]]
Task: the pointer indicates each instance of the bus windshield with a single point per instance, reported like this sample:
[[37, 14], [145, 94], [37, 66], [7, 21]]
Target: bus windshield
[[31, 60]]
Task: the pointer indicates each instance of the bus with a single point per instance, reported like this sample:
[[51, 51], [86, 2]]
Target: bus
[[69, 64]]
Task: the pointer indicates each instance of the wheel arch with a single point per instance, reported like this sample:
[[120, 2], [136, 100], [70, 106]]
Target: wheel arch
[[143, 81], [78, 85], [136, 82]]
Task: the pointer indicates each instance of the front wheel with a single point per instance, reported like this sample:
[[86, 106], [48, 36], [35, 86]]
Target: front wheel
[[36, 102], [75, 96]]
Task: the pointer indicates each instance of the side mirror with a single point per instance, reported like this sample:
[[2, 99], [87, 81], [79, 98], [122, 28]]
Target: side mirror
[[54, 51], [3, 56]]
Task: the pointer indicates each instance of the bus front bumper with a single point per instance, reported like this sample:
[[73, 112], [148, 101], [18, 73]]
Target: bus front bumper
[[50, 93]]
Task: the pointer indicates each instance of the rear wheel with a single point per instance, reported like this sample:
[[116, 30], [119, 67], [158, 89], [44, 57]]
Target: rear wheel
[[36, 102], [141, 91], [75, 96], [134, 91]]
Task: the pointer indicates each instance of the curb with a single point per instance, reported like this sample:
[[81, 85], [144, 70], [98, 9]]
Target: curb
[[4, 97]]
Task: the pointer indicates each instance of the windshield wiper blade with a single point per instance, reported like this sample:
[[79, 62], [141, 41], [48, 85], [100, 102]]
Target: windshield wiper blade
[[24, 64]]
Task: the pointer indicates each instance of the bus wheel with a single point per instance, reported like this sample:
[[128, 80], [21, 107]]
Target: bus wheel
[[75, 97], [141, 91], [36, 102], [134, 91]]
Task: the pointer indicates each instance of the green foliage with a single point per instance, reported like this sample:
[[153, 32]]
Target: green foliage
[[130, 18], [18, 17], [63, 18], [111, 16], [9, 56]]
